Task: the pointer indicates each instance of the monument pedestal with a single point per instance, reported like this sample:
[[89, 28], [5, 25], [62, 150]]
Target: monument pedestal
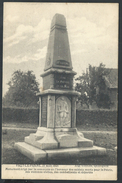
[[58, 113], [57, 134]]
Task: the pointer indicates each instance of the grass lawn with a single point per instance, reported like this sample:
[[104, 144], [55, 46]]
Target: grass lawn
[[82, 127], [20, 125], [107, 140]]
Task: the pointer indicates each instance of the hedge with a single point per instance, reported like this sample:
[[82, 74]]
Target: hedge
[[93, 117], [20, 115], [84, 117]]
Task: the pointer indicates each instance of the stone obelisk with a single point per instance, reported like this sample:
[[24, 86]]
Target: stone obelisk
[[57, 133]]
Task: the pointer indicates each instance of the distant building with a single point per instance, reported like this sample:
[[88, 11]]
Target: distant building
[[111, 81], [111, 89]]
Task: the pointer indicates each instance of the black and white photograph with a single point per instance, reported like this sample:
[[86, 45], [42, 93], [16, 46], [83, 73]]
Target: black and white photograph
[[60, 91]]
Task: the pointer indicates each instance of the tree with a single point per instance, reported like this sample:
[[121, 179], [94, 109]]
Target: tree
[[22, 90], [92, 86]]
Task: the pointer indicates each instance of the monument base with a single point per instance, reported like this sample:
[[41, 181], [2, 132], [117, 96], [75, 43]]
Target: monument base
[[49, 143], [50, 138], [37, 155]]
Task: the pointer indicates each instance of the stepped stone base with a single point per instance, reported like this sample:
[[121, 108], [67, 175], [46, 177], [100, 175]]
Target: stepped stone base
[[55, 143], [36, 154]]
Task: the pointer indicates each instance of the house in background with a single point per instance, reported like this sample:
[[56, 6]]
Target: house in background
[[111, 89], [111, 81]]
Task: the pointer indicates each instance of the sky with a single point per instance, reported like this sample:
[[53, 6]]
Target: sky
[[92, 31]]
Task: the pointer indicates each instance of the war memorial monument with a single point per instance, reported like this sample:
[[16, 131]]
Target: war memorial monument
[[57, 134]]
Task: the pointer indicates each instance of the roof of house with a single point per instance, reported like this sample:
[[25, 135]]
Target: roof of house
[[112, 78]]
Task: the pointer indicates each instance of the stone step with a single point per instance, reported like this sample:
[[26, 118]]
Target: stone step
[[30, 151], [81, 152], [83, 142], [37, 155]]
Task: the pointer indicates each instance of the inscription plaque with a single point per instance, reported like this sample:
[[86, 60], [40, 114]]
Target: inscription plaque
[[44, 112], [62, 62], [63, 112], [63, 81]]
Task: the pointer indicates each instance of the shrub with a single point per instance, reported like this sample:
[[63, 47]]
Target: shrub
[[103, 117], [20, 115]]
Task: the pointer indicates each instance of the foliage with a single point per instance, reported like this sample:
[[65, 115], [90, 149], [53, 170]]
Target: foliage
[[107, 119], [92, 87], [98, 118], [20, 115], [22, 90]]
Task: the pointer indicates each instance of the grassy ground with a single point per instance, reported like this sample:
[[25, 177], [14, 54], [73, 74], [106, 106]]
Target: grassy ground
[[107, 140], [20, 125], [82, 127], [96, 127]]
